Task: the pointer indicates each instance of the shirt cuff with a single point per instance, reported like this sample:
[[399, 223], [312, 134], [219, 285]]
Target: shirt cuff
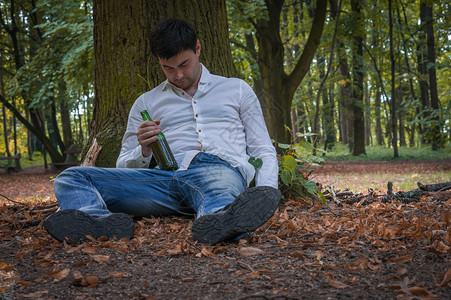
[[137, 160]]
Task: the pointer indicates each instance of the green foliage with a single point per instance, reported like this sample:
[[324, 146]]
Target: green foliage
[[54, 66], [294, 170]]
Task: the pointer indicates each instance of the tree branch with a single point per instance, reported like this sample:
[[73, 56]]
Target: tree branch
[[316, 31]]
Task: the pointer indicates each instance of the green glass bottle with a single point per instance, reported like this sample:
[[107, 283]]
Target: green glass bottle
[[160, 148]]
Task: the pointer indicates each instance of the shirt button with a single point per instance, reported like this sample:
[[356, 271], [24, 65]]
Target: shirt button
[[199, 130], [197, 115], [194, 101]]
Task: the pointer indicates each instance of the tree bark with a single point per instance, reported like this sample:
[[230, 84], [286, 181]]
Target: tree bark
[[346, 113], [357, 80], [125, 68], [423, 74], [65, 114], [393, 87], [368, 135], [426, 8], [4, 119], [377, 116]]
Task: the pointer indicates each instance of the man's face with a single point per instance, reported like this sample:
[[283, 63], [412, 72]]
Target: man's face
[[183, 70]]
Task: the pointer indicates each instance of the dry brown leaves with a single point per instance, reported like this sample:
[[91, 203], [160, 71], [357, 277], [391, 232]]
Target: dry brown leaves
[[391, 228]]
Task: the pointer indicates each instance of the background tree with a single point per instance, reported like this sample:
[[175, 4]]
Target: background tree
[[357, 103], [48, 40], [278, 86]]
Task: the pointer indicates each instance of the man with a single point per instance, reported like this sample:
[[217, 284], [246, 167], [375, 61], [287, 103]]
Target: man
[[213, 125]]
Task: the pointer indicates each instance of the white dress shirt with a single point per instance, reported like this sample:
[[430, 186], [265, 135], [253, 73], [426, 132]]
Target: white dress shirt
[[224, 118]]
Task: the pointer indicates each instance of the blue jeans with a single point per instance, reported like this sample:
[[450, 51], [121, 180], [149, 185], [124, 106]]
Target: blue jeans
[[205, 187]]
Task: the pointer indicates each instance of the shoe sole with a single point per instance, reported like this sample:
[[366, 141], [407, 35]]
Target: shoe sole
[[75, 225], [249, 211]]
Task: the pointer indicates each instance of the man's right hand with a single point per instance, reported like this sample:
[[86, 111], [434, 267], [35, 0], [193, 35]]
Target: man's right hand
[[147, 134]]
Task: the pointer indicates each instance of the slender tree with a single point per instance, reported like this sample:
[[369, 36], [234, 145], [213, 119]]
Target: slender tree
[[357, 80], [393, 106], [427, 20]]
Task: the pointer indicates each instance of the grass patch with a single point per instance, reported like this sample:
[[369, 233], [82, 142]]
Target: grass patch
[[341, 152], [37, 159]]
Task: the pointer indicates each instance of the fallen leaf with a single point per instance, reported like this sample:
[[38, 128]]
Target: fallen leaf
[[334, 283], [401, 259], [422, 292], [90, 250], [28, 216], [249, 251], [446, 278], [36, 294], [207, 252], [61, 274], [173, 252], [189, 279], [402, 271], [92, 280], [101, 258], [117, 275], [78, 279], [5, 267], [438, 247]]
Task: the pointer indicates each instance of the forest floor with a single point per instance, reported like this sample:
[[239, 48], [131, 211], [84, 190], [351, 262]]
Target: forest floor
[[350, 248]]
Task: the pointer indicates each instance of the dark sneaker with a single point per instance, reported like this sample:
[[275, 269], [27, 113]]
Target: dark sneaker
[[74, 225], [249, 211]]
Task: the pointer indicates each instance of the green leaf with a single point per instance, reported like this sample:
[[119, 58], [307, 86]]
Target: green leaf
[[286, 177], [284, 146], [256, 162], [289, 163], [323, 199]]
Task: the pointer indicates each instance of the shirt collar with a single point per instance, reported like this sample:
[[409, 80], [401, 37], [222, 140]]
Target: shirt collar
[[205, 78]]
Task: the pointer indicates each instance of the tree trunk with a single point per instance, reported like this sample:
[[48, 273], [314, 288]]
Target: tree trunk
[[65, 114], [401, 115], [426, 8], [346, 115], [294, 122], [422, 76], [316, 128], [357, 80], [4, 119], [125, 68], [377, 116], [412, 135], [52, 127], [278, 86], [329, 127], [393, 87], [30, 148], [368, 136]]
